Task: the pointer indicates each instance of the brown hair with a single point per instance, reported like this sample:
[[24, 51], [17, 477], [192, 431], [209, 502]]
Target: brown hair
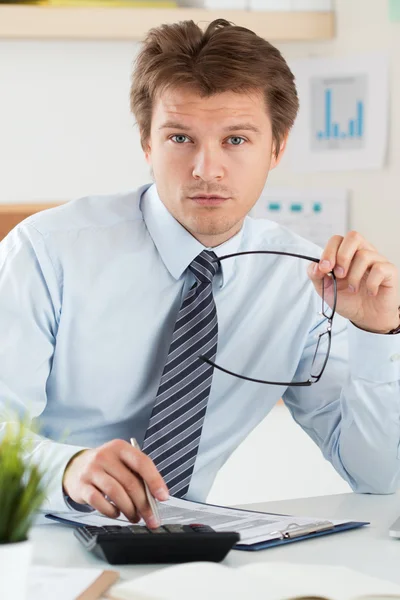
[[224, 57]]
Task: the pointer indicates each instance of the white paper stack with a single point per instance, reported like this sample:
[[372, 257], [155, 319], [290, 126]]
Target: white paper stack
[[292, 5]]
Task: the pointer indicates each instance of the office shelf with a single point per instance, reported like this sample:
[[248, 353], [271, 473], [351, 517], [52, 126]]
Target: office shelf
[[45, 22], [12, 214]]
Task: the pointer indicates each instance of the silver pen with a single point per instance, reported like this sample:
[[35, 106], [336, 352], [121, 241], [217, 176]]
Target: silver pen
[[150, 499]]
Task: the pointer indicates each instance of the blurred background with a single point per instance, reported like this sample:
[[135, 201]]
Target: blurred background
[[66, 131]]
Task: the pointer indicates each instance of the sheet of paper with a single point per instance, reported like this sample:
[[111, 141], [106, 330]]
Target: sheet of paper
[[50, 583], [343, 119], [253, 527], [315, 214], [213, 581]]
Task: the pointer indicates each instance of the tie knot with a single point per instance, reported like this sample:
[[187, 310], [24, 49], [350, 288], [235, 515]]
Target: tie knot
[[203, 267]]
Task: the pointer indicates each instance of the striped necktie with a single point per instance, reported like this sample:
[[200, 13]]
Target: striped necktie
[[173, 435]]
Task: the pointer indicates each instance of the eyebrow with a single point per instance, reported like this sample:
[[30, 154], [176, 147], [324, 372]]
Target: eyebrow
[[236, 127]]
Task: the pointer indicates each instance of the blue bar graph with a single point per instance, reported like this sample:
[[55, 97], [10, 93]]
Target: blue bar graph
[[328, 113], [360, 117], [332, 130], [336, 130]]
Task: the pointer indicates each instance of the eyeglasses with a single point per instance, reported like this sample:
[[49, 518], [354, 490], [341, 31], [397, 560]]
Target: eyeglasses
[[323, 346]]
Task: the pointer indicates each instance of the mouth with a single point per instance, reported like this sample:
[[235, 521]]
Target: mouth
[[209, 200]]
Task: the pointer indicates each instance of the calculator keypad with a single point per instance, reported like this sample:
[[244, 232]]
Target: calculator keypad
[[137, 544], [91, 530]]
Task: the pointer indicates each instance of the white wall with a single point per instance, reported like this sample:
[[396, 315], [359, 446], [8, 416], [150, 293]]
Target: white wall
[[66, 131], [65, 126], [278, 460]]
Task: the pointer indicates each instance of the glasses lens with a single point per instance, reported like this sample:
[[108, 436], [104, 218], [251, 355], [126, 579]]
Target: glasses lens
[[261, 334], [321, 353], [328, 297]]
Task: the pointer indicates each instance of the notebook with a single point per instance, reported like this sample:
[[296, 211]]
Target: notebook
[[262, 581]]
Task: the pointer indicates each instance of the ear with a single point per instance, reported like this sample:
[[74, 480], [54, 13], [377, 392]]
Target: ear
[[147, 152], [275, 160]]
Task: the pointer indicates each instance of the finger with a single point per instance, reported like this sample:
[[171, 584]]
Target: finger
[[96, 500], [328, 256], [134, 488], [351, 244], [324, 287], [111, 488], [322, 282], [381, 273], [315, 273], [360, 266], [143, 506], [140, 463]]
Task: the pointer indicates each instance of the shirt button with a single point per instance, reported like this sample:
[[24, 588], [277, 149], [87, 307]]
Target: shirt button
[[395, 357]]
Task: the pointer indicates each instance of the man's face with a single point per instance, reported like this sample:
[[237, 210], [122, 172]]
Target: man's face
[[221, 145]]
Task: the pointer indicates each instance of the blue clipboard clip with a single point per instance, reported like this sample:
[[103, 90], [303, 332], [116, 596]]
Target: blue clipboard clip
[[294, 530]]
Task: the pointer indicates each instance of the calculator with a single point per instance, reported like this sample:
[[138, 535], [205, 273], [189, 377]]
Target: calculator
[[135, 544]]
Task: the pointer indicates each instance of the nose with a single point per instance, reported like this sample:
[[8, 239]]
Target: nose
[[208, 164]]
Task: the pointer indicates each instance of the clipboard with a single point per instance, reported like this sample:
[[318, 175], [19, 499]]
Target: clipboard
[[293, 533], [298, 533]]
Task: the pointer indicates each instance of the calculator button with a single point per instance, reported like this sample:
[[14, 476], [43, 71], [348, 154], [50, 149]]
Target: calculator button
[[158, 530], [202, 528], [187, 529], [125, 531], [112, 528], [174, 528], [137, 529]]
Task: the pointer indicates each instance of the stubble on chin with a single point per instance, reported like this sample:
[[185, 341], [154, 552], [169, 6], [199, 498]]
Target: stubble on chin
[[211, 224]]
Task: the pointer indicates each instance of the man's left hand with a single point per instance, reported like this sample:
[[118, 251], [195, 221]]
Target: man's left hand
[[367, 283]]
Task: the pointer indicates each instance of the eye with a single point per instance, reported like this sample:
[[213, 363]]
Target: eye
[[179, 138], [179, 135], [236, 138]]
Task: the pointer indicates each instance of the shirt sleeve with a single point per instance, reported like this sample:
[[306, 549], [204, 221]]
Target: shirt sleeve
[[353, 412], [30, 305]]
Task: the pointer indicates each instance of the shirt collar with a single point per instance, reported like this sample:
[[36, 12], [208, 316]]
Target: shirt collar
[[176, 246]]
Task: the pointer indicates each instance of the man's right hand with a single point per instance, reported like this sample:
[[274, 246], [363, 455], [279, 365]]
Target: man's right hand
[[115, 470]]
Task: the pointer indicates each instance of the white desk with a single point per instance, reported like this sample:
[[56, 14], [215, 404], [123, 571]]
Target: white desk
[[368, 549]]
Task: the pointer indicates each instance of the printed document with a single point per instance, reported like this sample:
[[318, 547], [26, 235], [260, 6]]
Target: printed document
[[252, 526]]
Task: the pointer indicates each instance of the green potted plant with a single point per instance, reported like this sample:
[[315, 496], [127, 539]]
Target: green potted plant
[[22, 491]]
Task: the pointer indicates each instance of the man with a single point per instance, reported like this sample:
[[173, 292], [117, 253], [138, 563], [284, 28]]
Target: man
[[106, 303]]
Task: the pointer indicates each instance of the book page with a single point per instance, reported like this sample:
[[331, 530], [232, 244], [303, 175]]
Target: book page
[[335, 582], [194, 581], [261, 581]]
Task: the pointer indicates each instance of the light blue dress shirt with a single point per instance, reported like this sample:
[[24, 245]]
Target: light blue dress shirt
[[89, 293]]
